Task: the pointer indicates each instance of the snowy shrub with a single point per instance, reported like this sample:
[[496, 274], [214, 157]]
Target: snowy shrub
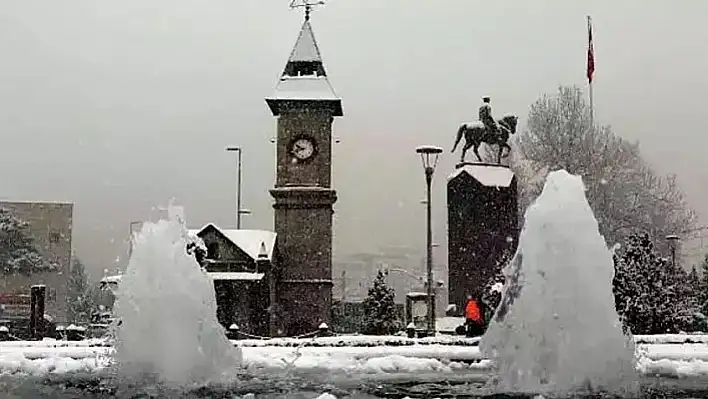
[[651, 294], [81, 298], [380, 316]]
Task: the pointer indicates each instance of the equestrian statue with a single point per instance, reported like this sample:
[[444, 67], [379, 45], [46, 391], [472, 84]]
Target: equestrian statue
[[486, 130]]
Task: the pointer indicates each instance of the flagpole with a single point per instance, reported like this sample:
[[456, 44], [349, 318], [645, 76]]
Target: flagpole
[[591, 70], [592, 104]]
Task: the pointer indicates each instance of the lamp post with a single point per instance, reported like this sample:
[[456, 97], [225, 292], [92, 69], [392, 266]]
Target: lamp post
[[239, 210], [429, 156], [673, 244]]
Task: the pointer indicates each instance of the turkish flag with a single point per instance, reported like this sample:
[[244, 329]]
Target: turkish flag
[[591, 54]]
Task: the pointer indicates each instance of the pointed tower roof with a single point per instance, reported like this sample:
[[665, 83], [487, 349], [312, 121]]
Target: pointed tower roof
[[306, 48], [304, 78]]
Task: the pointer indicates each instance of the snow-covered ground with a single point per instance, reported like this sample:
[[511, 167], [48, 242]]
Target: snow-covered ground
[[666, 355], [356, 341]]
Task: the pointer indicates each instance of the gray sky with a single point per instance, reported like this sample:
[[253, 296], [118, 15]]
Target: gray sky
[[121, 105]]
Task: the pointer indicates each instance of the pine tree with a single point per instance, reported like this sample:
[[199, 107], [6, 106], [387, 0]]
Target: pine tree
[[704, 285], [380, 308], [19, 253], [651, 294], [694, 291], [694, 281], [81, 301]]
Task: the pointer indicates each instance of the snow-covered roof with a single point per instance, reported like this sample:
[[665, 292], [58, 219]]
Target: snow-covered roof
[[310, 87], [248, 240], [111, 279], [236, 276], [304, 77], [487, 175], [305, 48]]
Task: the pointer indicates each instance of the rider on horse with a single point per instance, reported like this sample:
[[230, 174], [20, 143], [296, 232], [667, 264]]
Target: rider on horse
[[485, 116]]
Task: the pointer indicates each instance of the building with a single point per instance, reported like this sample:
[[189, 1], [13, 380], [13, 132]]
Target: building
[[241, 264], [50, 223], [305, 106]]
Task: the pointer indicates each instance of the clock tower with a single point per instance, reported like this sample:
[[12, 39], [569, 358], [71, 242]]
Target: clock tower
[[305, 105]]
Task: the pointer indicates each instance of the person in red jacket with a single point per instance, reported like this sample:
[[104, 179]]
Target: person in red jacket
[[473, 316]]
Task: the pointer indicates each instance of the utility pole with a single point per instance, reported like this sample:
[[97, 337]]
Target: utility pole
[[239, 211], [673, 244], [344, 285]]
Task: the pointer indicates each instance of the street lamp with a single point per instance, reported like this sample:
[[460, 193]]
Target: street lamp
[[239, 211], [429, 156], [673, 245]]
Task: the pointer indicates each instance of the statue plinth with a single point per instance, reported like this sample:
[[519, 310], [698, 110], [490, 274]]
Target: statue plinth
[[482, 226], [463, 164]]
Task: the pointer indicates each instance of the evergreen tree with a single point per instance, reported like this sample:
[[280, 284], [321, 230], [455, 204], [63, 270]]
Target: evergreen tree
[[704, 285], [651, 294], [697, 293], [694, 281], [81, 297], [19, 253], [380, 308]]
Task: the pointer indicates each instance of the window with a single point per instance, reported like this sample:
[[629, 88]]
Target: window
[[54, 237], [213, 250], [51, 295]]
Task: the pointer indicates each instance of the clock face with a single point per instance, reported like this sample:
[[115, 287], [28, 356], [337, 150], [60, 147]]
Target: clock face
[[303, 148]]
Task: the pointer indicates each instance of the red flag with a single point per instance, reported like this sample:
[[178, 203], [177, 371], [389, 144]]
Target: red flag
[[591, 53]]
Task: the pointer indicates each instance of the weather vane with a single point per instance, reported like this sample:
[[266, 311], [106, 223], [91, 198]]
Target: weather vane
[[308, 4]]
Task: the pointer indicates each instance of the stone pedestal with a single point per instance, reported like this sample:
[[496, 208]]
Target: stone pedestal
[[482, 202]]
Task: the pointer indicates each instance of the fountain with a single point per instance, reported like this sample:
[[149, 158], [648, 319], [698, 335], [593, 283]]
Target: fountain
[[167, 311], [556, 330]]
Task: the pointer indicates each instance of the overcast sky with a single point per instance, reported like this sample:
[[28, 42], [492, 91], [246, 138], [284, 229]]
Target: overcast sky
[[119, 106]]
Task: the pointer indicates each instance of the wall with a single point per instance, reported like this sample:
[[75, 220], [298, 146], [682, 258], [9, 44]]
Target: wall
[[51, 225], [244, 303], [317, 124]]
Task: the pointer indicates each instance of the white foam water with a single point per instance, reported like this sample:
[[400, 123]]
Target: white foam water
[[167, 310], [556, 330]]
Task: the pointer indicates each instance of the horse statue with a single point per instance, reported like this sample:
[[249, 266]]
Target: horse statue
[[475, 134]]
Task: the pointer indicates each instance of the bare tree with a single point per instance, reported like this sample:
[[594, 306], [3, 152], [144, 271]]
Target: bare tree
[[623, 191]]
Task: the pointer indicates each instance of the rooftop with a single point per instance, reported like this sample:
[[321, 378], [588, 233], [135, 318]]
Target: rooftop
[[304, 77], [306, 48], [248, 240], [487, 174]]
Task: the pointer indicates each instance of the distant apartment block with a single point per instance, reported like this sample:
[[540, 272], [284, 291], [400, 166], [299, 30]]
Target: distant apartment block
[[51, 225]]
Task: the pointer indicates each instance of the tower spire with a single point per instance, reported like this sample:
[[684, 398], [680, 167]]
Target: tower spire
[[304, 77]]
